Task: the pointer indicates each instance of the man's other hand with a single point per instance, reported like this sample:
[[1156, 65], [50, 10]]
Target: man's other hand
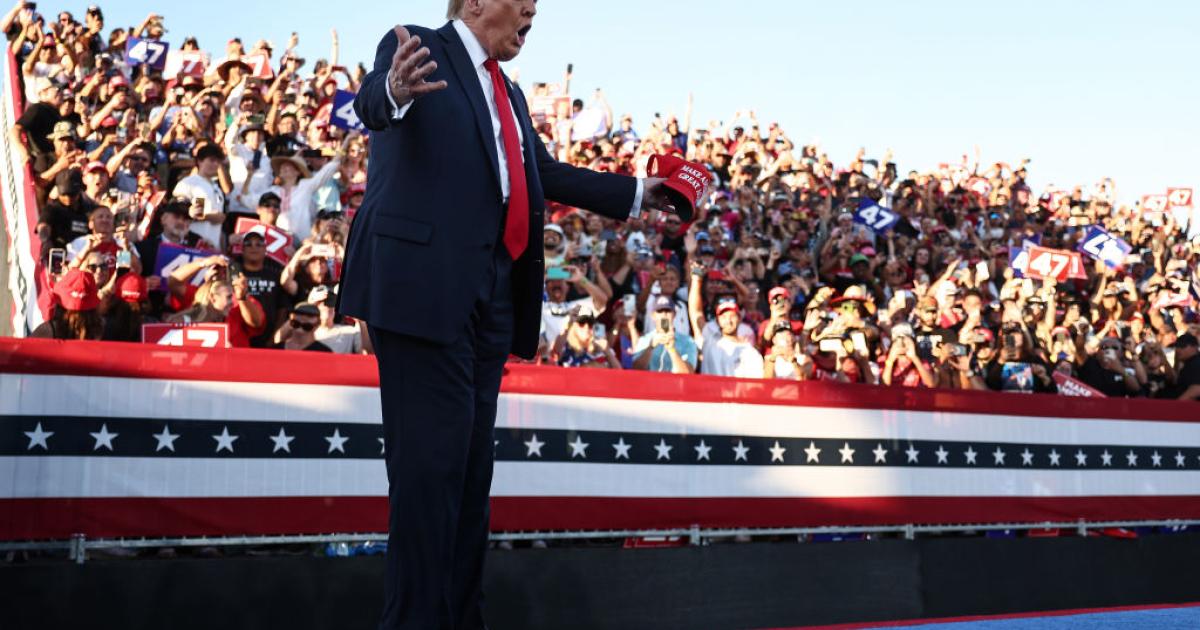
[[407, 78]]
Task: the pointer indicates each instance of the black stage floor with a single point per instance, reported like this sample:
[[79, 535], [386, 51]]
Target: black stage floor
[[755, 585]]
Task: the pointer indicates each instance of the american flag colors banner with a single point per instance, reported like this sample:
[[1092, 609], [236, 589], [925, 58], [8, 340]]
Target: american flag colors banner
[[111, 440]]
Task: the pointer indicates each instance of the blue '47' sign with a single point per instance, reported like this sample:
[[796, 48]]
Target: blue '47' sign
[[876, 217], [145, 51], [343, 112], [1104, 246]]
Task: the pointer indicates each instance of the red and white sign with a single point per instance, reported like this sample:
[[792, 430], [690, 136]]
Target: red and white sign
[[1057, 264], [188, 63], [260, 66], [279, 242], [1179, 197], [1154, 204], [187, 335], [1070, 386]]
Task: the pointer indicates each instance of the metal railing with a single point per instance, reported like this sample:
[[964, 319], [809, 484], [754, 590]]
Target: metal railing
[[78, 546]]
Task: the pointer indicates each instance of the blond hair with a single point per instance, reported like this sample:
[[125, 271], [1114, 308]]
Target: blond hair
[[455, 8]]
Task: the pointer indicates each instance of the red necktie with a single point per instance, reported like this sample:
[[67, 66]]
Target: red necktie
[[516, 226]]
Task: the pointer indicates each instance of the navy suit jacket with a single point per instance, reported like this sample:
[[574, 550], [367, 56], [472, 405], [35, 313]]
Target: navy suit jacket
[[421, 245]]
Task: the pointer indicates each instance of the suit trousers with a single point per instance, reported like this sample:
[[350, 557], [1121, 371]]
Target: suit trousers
[[439, 411]]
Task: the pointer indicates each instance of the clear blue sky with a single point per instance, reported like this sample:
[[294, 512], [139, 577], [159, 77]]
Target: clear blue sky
[[1085, 89]]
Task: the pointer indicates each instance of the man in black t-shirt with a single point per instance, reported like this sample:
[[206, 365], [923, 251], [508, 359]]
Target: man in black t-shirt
[[37, 123], [65, 217], [1105, 371], [263, 275], [1187, 365], [927, 333]]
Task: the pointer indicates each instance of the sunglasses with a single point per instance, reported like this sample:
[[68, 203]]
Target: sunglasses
[[586, 322], [274, 206], [95, 267], [305, 326]]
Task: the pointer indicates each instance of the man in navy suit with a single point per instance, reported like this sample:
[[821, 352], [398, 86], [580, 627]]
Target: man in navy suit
[[444, 263]]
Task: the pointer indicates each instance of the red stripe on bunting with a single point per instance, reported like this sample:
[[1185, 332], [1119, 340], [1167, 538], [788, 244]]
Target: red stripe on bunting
[[22, 519], [40, 356]]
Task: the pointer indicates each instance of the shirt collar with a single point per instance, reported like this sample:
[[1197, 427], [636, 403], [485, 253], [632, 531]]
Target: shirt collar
[[474, 49]]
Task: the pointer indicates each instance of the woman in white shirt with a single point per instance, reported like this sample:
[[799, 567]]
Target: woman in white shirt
[[295, 185]]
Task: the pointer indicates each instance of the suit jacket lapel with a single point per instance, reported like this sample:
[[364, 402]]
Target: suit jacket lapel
[[526, 122], [469, 80]]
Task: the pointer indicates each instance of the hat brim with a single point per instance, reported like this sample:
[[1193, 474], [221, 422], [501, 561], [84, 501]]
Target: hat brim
[[276, 162]]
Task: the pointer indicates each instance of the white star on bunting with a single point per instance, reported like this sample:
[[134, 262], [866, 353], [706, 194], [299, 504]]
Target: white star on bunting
[[847, 454], [880, 454], [702, 450], [1054, 457], [337, 442], [1106, 458], [578, 447], [777, 452], [664, 450], [103, 438], [998, 455], [166, 440], [812, 452], [970, 455], [912, 454], [381, 446], [942, 454], [622, 449], [1131, 458], [283, 441], [1080, 458], [534, 446], [38, 437], [225, 441], [1156, 459], [740, 451], [1179, 459]]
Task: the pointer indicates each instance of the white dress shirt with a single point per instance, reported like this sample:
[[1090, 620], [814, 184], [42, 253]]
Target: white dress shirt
[[478, 56]]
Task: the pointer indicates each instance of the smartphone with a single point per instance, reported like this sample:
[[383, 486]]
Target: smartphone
[[831, 345], [558, 273], [57, 261], [664, 325], [630, 305], [124, 259], [600, 331], [960, 350], [322, 250], [860, 342], [981, 272], [1010, 342], [235, 269], [570, 68]]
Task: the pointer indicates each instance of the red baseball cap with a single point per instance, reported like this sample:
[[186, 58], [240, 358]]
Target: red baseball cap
[[132, 288], [76, 291], [725, 307], [778, 291], [118, 80]]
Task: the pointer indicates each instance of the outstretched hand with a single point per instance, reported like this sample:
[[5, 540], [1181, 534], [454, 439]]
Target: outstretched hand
[[407, 79]]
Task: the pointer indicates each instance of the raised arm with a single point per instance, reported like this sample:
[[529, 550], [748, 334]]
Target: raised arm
[[401, 67]]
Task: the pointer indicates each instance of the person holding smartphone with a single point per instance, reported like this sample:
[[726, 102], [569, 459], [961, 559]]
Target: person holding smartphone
[[665, 348]]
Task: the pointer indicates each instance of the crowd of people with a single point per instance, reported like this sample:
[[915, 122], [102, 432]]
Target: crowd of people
[[779, 276]]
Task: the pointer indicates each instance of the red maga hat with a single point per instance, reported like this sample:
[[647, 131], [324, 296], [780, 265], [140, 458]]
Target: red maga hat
[[76, 291], [685, 185]]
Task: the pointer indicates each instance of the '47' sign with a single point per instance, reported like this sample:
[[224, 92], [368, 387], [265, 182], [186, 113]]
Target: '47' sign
[[146, 52], [187, 335], [875, 216], [1101, 245], [343, 112], [1056, 264]]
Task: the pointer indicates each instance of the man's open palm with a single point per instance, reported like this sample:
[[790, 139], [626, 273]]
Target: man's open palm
[[407, 78]]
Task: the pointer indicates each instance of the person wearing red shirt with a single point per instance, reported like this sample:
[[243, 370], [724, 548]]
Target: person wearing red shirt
[[221, 301]]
